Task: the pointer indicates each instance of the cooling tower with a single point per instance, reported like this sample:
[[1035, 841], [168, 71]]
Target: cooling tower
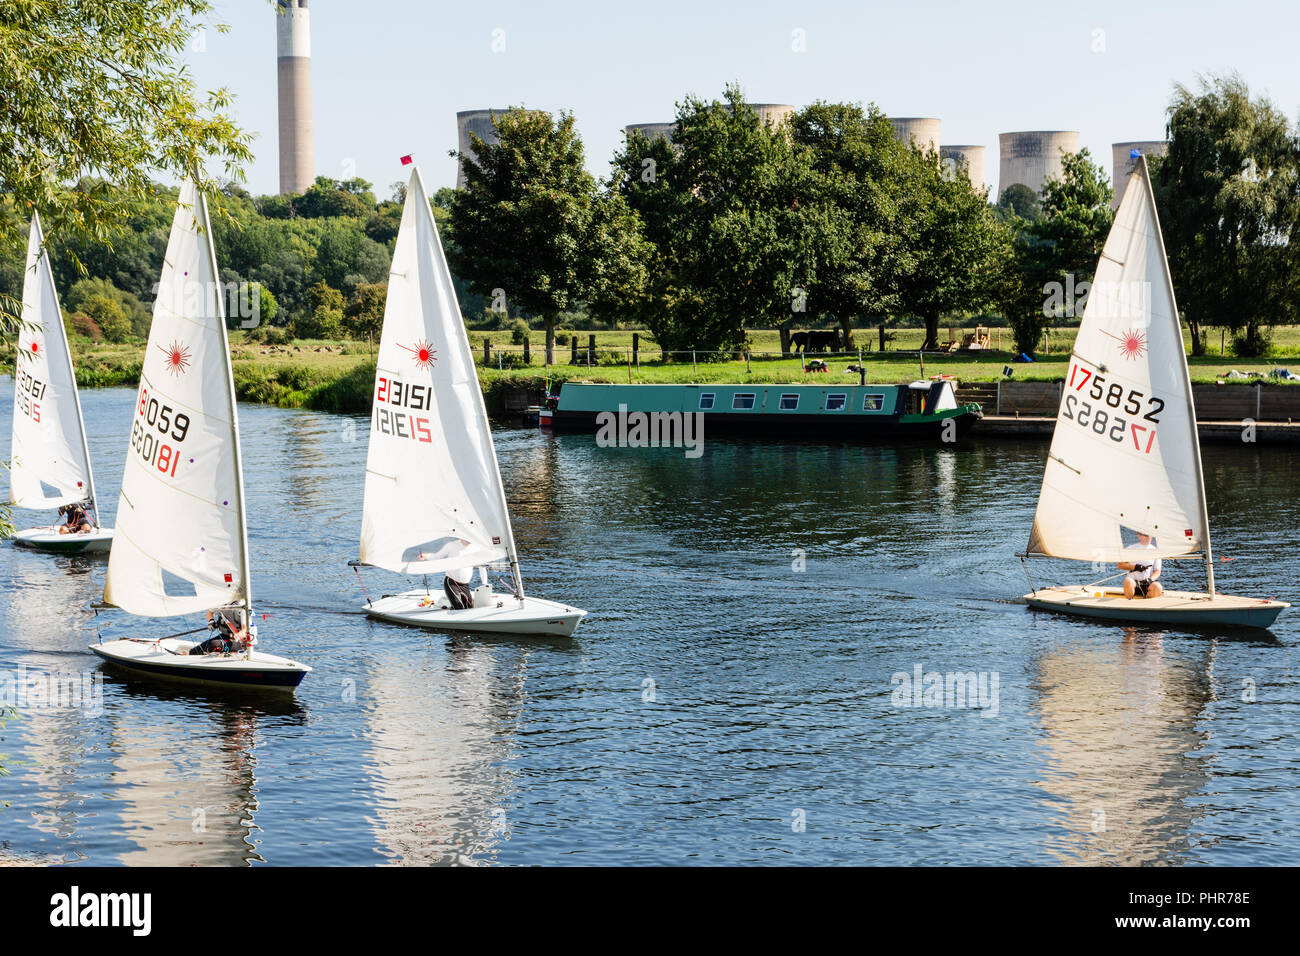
[[478, 122], [1031, 157], [1122, 160], [774, 113], [293, 67], [651, 130], [971, 156], [922, 131]]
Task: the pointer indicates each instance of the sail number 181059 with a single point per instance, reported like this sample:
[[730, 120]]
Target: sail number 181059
[[1097, 407]]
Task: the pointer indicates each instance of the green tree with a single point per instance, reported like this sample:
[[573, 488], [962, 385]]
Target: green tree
[[84, 291], [736, 224], [98, 89], [109, 314], [1058, 252], [365, 312], [527, 221], [956, 242], [1229, 210]]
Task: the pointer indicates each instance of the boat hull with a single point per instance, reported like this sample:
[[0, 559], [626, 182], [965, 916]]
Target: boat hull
[[861, 428], [167, 659], [1184, 608], [98, 541], [428, 609]]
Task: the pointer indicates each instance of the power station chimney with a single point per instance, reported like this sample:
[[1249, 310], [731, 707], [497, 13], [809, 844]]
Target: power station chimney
[[293, 63]]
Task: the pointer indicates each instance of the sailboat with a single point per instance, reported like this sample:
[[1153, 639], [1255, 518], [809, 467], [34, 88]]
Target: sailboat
[[1125, 458], [51, 461], [182, 535], [434, 500]]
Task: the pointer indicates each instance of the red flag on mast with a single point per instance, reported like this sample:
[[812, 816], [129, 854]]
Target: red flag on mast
[[406, 160]]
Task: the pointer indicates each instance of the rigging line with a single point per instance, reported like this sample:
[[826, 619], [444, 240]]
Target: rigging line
[[363, 585], [1061, 462], [1033, 590]]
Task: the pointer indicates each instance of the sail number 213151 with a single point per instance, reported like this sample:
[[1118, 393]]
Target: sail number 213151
[[1092, 403], [152, 416]]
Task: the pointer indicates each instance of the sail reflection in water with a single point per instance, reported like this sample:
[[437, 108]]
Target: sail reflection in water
[[442, 727], [1122, 732]]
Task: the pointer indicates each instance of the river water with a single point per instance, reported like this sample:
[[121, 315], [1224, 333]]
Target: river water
[[735, 696]]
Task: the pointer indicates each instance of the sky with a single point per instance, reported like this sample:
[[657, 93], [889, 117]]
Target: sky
[[388, 77]]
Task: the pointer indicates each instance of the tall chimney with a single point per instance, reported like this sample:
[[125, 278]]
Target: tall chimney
[[293, 64]]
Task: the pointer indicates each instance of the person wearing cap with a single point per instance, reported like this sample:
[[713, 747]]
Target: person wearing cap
[[1142, 572]]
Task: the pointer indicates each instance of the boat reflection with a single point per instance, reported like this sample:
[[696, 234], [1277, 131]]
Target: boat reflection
[[1122, 729], [443, 719], [186, 769]]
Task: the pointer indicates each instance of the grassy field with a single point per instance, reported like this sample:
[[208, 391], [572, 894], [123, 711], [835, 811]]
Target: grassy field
[[338, 376]]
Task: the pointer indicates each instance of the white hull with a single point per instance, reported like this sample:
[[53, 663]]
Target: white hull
[[169, 658], [98, 541], [429, 609], [1187, 608]]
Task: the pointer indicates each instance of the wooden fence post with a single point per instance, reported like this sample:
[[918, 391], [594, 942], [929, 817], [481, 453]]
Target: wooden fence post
[[487, 350]]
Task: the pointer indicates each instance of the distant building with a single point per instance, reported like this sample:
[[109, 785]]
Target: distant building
[[971, 156], [1032, 157], [921, 131], [478, 122], [1122, 161]]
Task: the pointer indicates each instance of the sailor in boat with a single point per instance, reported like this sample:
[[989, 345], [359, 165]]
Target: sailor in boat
[[1142, 573], [456, 586], [75, 520], [230, 637]]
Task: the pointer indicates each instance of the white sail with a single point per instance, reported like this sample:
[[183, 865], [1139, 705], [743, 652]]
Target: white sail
[[50, 466], [181, 510], [433, 499], [1124, 454]]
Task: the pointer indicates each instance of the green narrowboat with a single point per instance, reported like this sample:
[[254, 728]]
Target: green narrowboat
[[924, 410]]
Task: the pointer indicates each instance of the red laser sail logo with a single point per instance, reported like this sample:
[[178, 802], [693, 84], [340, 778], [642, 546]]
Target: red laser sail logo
[[1132, 343], [421, 354], [178, 357]]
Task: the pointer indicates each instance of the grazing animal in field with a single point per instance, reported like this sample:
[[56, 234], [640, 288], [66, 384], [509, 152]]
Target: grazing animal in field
[[799, 341], [823, 341]]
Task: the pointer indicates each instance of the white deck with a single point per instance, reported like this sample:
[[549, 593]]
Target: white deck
[[1190, 608], [505, 615]]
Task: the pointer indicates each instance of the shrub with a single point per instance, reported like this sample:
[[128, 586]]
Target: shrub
[[324, 323], [518, 332], [276, 335], [1252, 342], [83, 326], [110, 315]]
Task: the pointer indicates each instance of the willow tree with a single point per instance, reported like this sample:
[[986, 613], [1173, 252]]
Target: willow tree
[[96, 102], [1228, 192]]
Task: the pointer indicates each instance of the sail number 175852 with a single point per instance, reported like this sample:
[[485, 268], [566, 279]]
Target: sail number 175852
[[1096, 408]]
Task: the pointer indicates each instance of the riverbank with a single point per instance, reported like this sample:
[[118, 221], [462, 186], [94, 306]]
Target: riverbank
[[339, 376]]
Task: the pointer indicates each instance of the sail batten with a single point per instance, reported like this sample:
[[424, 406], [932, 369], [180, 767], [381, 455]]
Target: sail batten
[[1125, 434], [433, 495], [50, 460], [180, 511]]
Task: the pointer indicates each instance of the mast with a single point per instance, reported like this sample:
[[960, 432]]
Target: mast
[[63, 339], [246, 578], [1187, 380]]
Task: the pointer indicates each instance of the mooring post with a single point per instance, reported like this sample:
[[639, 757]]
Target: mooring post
[[636, 349]]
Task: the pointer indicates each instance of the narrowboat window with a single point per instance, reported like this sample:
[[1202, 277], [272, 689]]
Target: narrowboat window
[[789, 403], [873, 403], [706, 399], [835, 403], [743, 400]]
